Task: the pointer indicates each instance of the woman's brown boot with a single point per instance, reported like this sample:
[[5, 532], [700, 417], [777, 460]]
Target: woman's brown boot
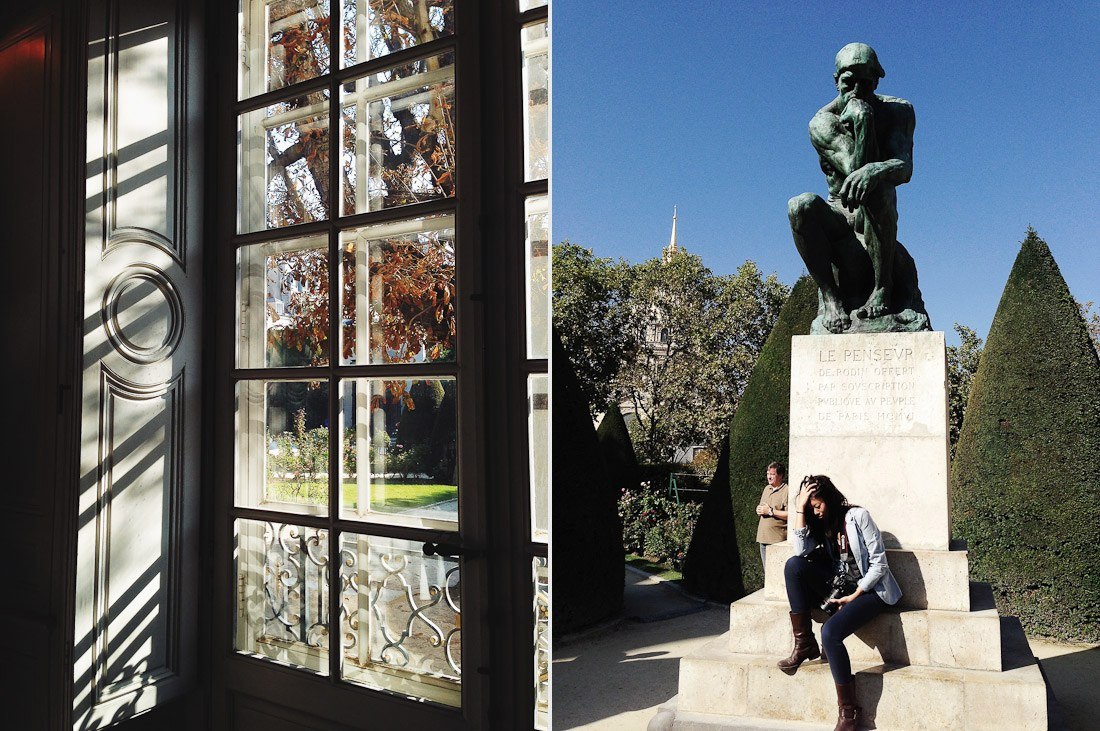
[[805, 646], [848, 713]]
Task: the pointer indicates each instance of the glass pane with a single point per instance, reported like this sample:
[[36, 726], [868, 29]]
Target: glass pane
[[399, 292], [398, 136], [538, 276], [282, 297], [282, 445], [541, 577], [400, 619], [373, 28], [399, 451], [283, 159], [528, 4], [536, 100], [282, 42], [538, 440], [283, 597]]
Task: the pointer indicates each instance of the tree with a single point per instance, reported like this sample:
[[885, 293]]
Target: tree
[[760, 431], [1092, 321], [594, 320], [709, 329], [962, 364], [1023, 485]]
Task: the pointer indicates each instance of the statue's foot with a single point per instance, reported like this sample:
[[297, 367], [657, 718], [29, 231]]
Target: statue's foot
[[835, 319], [875, 307]]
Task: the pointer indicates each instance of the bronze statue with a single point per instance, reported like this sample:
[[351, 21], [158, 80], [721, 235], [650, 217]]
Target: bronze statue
[[867, 281]]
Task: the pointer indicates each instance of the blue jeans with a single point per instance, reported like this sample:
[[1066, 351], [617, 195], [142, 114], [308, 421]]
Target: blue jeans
[[807, 583]]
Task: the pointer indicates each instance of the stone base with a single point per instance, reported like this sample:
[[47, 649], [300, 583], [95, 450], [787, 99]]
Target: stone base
[[720, 689], [929, 579], [932, 637]]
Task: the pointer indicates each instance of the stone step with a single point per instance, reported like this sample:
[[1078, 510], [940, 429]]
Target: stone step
[[935, 637], [731, 689], [929, 579]]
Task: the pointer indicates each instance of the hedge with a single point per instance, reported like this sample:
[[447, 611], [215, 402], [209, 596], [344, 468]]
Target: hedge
[[760, 431], [587, 555], [712, 567], [617, 450], [1024, 480]]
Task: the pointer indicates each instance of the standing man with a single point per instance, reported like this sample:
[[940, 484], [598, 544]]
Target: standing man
[[772, 509]]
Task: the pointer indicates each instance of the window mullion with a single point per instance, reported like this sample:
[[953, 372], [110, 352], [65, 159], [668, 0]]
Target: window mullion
[[335, 323]]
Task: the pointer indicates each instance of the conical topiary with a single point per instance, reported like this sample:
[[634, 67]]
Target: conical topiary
[[1024, 480], [760, 432], [617, 450], [712, 567], [587, 560]]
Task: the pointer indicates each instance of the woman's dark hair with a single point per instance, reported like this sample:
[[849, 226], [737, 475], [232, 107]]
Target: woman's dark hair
[[836, 505]]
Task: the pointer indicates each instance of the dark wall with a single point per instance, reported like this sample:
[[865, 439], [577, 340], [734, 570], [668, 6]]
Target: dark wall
[[38, 301]]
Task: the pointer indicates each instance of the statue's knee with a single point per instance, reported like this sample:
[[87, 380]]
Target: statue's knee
[[798, 208]]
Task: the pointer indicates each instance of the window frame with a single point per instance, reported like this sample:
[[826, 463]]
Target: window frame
[[493, 530]]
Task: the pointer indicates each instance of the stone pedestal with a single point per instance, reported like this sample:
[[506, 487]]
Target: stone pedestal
[[870, 411]]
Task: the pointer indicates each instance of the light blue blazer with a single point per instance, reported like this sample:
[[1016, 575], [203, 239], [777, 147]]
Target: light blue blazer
[[867, 547]]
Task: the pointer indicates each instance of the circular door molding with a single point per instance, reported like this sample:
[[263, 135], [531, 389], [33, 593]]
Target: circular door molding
[[143, 314]]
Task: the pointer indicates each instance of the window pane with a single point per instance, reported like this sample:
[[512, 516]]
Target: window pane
[[538, 439], [283, 158], [528, 4], [536, 100], [282, 42], [398, 136], [282, 445], [399, 451], [538, 276], [400, 619], [282, 291], [373, 28], [541, 577], [282, 603], [399, 292]]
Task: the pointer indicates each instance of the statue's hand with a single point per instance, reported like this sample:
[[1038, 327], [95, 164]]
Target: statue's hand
[[857, 185]]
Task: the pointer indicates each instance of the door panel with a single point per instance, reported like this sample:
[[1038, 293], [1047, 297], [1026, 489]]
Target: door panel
[[135, 633]]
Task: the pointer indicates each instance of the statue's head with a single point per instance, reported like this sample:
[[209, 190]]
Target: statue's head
[[857, 71]]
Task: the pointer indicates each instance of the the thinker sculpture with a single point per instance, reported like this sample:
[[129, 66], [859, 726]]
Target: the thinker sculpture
[[867, 281]]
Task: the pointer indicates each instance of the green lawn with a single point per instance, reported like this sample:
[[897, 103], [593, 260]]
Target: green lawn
[[398, 495], [660, 570]]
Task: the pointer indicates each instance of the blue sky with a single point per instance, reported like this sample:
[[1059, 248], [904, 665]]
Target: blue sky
[[705, 106]]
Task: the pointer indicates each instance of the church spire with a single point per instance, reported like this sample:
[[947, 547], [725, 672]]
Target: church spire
[[672, 249]]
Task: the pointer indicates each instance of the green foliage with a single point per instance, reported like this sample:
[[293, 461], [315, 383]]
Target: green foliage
[[684, 389], [593, 318], [587, 563], [299, 456], [712, 566], [618, 452], [760, 432], [1024, 491], [962, 364], [657, 527]]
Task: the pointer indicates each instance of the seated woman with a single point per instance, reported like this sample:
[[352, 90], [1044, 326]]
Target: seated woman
[[853, 548]]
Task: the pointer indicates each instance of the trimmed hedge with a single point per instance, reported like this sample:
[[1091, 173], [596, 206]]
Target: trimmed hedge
[[712, 567], [760, 431], [618, 451], [587, 562], [1024, 491]]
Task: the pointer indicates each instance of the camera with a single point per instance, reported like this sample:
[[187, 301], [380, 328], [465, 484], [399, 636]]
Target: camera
[[841, 586]]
